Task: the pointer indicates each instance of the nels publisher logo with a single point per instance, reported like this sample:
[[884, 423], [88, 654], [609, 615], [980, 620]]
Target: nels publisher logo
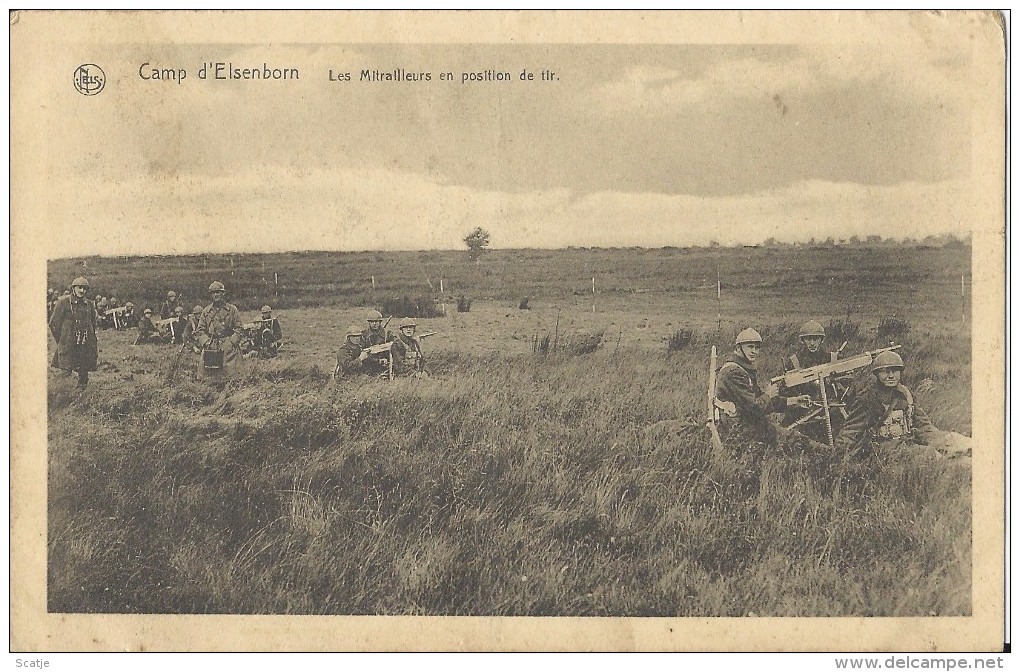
[[89, 79]]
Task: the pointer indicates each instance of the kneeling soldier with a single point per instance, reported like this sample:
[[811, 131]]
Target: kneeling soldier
[[270, 333], [747, 405], [811, 353], [352, 356], [884, 415], [408, 358], [148, 332]]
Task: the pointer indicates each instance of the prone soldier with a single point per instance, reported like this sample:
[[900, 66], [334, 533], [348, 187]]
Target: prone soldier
[[884, 416]]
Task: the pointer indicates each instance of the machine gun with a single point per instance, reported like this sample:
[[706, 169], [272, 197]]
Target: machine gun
[[119, 317], [822, 375], [167, 328]]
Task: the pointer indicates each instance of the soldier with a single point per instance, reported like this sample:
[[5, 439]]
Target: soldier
[[736, 385], [375, 334], [169, 306], [129, 319], [811, 353], [102, 321], [219, 333], [191, 327], [73, 325], [352, 356], [178, 325], [408, 358], [270, 333], [147, 330], [885, 415]]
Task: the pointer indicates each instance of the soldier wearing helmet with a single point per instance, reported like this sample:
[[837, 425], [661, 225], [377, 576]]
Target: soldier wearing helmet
[[73, 326], [376, 333], [352, 356], [148, 332], [408, 358], [170, 306], [191, 327], [748, 406], [885, 412], [219, 330], [811, 353]]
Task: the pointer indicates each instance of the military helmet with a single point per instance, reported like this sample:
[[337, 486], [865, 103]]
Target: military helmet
[[113, 298], [266, 309], [408, 322], [179, 310], [811, 328], [171, 294], [354, 330], [748, 336], [217, 286], [147, 311], [197, 310], [129, 305], [374, 315], [887, 360], [80, 282]]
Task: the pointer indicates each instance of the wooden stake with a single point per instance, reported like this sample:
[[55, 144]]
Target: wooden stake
[[593, 293]]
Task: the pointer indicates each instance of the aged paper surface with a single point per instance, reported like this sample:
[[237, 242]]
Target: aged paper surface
[[192, 133]]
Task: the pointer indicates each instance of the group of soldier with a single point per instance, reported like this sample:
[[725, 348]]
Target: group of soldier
[[849, 413], [864, 413], [74, 319], [376, 351]]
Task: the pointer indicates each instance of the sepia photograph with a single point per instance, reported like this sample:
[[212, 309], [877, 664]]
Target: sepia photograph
[[676, 329]]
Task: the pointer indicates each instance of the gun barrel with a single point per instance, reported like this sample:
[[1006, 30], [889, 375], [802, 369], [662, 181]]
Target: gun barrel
[[840, 366]]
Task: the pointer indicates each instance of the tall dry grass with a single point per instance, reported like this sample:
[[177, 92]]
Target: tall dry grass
[[564, 485]]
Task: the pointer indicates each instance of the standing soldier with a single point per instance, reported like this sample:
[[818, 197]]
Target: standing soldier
[[169, 306], [746, 405], [811, 353], [73, 325], [218, 334], [352, 356], [408, 358], [884, 415]]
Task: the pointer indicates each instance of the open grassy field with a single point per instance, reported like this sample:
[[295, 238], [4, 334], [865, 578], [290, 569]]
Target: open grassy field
[[511, 482]]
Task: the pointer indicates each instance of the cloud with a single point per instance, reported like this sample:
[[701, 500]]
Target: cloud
[[269, 208], [910, 72]]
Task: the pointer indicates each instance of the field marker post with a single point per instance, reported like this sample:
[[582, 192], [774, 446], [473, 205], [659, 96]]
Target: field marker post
[[963, 300], [718, 303], [373, 284], [593, 293]]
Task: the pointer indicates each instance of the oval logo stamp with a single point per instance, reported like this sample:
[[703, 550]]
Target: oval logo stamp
[[89, 79]]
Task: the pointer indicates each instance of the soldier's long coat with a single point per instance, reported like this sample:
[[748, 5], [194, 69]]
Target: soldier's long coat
[[70, 314], [220, 326]]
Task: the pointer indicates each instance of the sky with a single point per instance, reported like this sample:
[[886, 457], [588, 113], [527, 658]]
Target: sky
[[646, 145]]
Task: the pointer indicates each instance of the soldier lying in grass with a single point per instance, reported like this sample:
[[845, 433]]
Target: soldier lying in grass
[[884, 415]]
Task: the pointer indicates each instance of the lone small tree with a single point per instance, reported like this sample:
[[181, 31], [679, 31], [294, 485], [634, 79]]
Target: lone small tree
[[477, 241]]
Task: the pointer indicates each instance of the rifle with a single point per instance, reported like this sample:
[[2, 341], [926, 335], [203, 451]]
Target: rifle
[[713, 403], [819, 374]]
